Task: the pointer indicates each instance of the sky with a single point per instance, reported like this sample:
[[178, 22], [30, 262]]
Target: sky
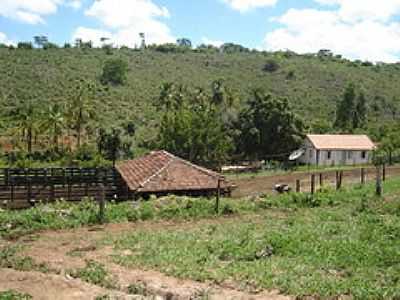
[[357, 29]]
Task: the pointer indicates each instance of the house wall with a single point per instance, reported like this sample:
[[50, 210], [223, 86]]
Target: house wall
[[313, 156]]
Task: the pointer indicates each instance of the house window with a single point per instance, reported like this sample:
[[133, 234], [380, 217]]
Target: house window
[[310, 153], [329, 155], [364, 154], [349, 154]]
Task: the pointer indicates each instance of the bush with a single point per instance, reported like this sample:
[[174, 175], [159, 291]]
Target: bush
[[271, 66], [114, 72]]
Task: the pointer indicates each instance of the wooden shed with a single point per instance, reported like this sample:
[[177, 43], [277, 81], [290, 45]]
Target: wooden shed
[[160, 173]]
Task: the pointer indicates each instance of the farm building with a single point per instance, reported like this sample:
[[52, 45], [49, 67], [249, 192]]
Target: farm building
[[161, 173], [333, 150]]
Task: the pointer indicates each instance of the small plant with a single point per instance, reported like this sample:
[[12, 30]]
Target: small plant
[[138, 288], [14, 295], [94, 273]]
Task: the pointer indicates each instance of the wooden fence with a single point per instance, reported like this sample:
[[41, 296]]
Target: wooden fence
[[22, 188]]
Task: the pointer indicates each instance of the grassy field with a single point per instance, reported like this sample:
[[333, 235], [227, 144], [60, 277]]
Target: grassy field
[[336, 244], [332, 244]]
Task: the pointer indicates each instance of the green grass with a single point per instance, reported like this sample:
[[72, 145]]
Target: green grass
[[63, 215], [94, 273], [14, 295], [344, 243], [10, 258]]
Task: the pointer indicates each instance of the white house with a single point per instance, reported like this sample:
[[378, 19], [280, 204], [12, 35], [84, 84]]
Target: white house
[[335, 149]]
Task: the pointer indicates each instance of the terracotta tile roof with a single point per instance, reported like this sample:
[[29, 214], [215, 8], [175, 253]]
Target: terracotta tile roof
[[161, 171], [341, 142]]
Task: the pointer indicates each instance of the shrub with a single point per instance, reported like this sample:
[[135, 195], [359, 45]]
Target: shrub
[[271, 66], [114, 72]]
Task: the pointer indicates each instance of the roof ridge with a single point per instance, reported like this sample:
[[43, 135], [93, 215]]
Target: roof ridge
[[142, 184]]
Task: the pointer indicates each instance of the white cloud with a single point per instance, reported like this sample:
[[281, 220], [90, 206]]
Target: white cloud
[[356, 10], [5, 40], [246, 5], [124, 22], [356, 34], [33, 11], [214, 43]]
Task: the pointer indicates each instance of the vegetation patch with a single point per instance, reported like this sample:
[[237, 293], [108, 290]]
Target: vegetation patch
[[94, 273], [14, 295], [10, 258], [346, 244]]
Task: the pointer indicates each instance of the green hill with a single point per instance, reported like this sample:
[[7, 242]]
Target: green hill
[[312, 84]]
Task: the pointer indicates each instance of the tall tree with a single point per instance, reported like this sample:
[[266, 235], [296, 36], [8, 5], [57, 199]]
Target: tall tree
[[81, 110], [346, 109], [268, 127], [194, 129], [26, 116], [360, 115], [55, 122]]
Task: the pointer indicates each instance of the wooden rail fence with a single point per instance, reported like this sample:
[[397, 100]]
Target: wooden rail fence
[[22, 188]]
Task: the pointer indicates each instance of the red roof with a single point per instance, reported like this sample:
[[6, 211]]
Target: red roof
[[161, 171]]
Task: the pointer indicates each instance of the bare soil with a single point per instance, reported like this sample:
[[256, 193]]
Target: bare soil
[[55, 248], [257, 185]]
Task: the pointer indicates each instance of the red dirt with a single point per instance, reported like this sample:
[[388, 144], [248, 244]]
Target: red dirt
[[54, 249]]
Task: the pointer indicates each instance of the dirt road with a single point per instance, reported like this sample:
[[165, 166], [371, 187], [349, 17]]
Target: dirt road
[[257, 185]]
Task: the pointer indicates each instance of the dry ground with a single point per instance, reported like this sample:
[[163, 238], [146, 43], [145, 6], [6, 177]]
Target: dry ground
[[256, 185], [55, 248]]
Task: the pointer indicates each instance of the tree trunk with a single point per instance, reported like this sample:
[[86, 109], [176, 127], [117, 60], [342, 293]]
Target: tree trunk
[[29, 140]]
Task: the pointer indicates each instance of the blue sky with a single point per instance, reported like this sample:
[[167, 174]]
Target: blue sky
[[357, 29]]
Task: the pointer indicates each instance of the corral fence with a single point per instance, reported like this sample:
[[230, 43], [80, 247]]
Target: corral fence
[[22, 188], [311, 181]]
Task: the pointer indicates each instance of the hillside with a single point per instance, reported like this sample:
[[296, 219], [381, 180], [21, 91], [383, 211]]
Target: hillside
[[312, 84]]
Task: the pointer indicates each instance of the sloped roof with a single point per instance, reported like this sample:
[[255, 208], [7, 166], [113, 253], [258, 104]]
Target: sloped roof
[[341, 142], [161, 171]]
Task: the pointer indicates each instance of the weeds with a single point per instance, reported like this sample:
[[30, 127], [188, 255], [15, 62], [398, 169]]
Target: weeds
[[346, 243], [14, 295], [9, 258], [94, 273]]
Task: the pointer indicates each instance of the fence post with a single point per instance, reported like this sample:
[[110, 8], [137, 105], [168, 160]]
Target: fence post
[[298, 186], [102, 202], [218, 196], [337, 180], [312, 184], [378, 181], [362, 176], [321, 180], [384, 172]]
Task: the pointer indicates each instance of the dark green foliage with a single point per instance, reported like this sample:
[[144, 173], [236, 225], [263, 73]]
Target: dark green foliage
[[110, 145], [268, 127], [184, 42], [346, 109], [361, 110], [232, 48], [25, 45], [272, 66], [114, 72], [192, 125]]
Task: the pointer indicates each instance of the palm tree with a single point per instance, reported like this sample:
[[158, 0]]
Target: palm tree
[[26, 117], [80, 109], [55, 122]]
